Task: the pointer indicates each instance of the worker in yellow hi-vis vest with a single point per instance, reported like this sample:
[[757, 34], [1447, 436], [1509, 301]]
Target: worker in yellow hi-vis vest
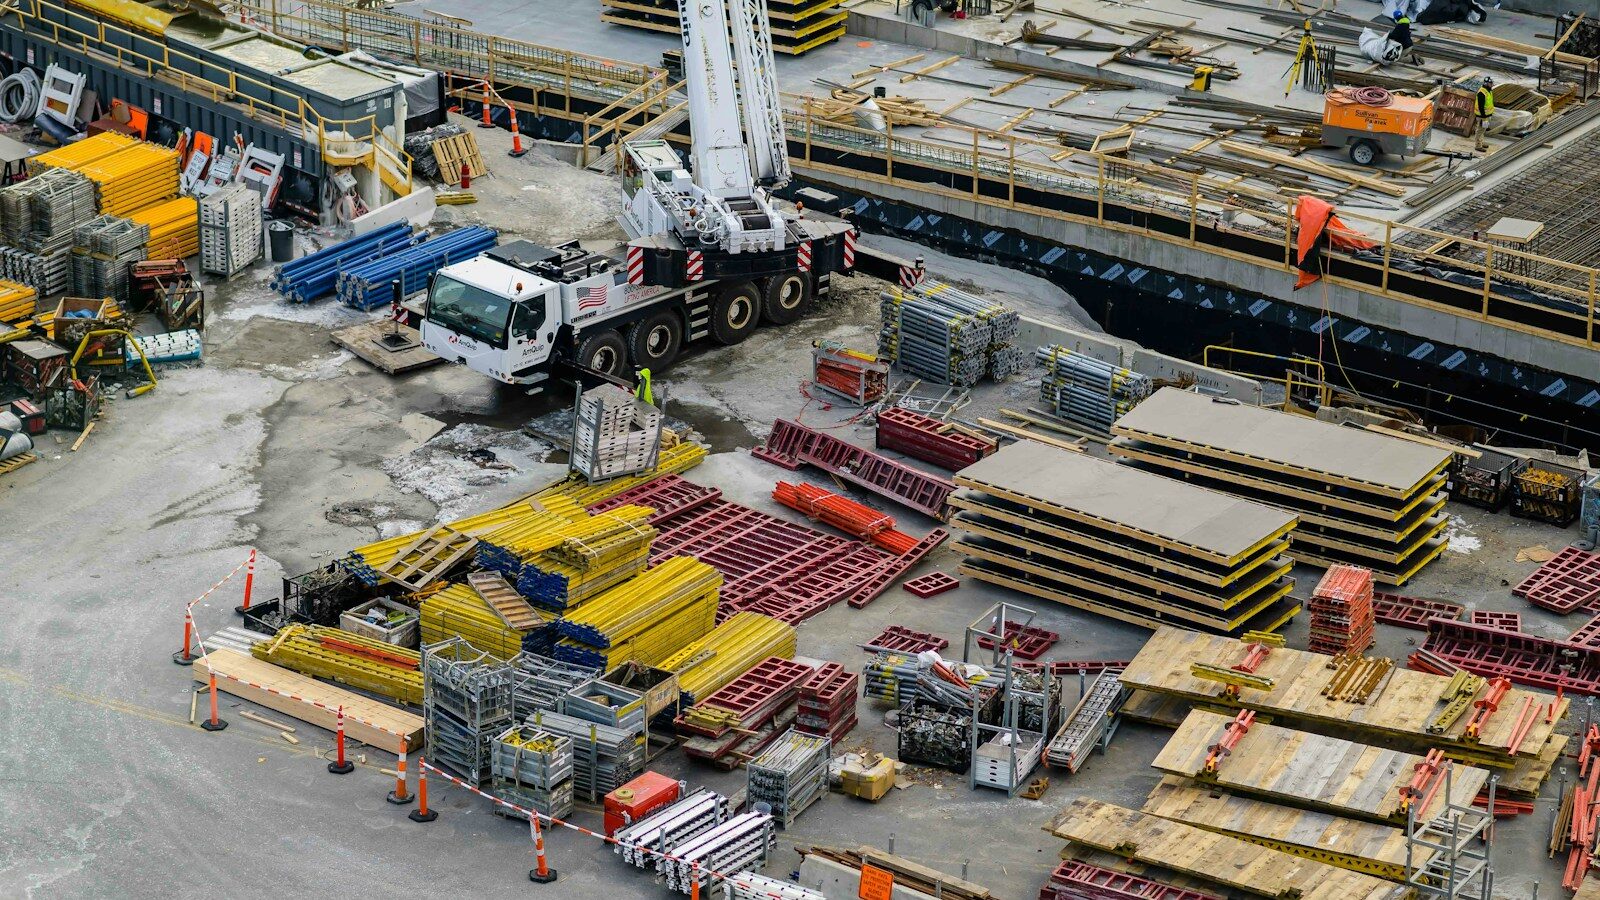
[[642, 388], [1484, 109]]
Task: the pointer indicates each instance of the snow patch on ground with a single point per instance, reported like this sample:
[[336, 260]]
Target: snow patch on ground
[[1459, 537], [320, 368], [454, 473], [323, 313]]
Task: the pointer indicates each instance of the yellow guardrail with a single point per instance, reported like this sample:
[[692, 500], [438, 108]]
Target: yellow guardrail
[[1295, 374]]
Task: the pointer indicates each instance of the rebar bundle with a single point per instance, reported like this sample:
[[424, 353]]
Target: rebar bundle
[[603, 758], [665, 829], [645, 619], [1086, 391], [947, 335], [467, 702], [739, 843], [540, 682], [789, 775], [533, 769]]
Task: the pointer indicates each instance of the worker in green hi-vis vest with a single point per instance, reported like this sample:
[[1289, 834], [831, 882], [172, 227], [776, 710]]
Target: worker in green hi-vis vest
[[1484, 109], [642, 388]]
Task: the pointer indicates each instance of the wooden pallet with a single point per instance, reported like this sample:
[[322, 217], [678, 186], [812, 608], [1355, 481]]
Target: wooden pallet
[[505, 601], [428, 557], [389, 346], [17, 462], [455, 150]]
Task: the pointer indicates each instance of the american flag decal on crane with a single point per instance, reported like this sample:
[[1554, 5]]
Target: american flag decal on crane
[[636, 265], [696, 267], [592, 297]]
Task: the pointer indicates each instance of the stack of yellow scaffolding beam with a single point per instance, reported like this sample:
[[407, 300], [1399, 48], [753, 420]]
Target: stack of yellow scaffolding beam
[[459, 611], [732, 649], [646, 619], [78, 154], [673, 460], [174, 228], [598, 554], [133, 178], [347, 658], [17, 301]]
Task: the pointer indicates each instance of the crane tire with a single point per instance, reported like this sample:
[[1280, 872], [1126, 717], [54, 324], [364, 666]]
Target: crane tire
[[735, 313], [604, 351], [785, 298], [654, 343]]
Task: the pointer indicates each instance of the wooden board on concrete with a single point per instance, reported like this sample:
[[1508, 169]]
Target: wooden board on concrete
[[1145, 507], [1399, 710], [1363, 846], [1282, 442], [1225, 861], [1308, 770], [389, 346], [309, 700]]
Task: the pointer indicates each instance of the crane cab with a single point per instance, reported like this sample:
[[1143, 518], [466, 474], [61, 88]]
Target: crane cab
[[494, 313]]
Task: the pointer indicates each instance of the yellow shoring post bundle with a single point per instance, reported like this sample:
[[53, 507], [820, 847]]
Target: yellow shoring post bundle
[[78, 154], [174, 228], [17, 301], [645, 619], [730, 650], [347, 658], [674, 460], [614, 546], [458, 611], [133, 178]]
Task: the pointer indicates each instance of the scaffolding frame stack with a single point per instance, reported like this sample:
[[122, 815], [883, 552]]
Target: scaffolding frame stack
[[603, 758], [790, 775], [532, 769], [641, 843], [103, 249], [230, 230], [466, 704], [614, 433], [742, 842], [540, 682]]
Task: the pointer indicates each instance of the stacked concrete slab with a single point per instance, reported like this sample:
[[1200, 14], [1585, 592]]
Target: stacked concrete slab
[[1363, 498], [1134, 546]]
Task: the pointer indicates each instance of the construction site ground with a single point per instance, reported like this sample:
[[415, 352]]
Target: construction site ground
[[283, 443]]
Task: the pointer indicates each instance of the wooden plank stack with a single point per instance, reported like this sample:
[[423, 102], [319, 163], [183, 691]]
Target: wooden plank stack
[[1341, 611], [1363, 498], [1131, 545]]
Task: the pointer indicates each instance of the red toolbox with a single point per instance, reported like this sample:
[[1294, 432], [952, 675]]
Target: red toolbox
[[639, 798]]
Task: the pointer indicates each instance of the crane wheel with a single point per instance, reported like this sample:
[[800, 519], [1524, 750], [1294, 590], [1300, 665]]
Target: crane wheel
[[785, 298], [735, 314], [605, 352], [654, 342]]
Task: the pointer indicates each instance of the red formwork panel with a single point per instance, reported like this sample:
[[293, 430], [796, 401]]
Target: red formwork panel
[[756, 696], [1025, 641], [1522, 658], [872, 587], [1505, 621], [928, 439], [1075, 880], [1567, 581], [1587, 635], [900, 639], [791, 444], [669, 495], [1412, 612], [931, 584], [1085, 666]]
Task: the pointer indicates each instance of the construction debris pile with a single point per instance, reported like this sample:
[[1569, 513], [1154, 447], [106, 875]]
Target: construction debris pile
[[948, 336]]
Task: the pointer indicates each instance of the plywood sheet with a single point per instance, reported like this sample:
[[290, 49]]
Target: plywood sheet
[[1310, 770], [1218, 858], [1158, 509], [309, 700], [1400, 708], [1284, 441]]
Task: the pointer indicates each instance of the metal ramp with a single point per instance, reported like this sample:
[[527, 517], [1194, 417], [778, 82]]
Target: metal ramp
[[1090, 725], [655, 129], [503, 599]]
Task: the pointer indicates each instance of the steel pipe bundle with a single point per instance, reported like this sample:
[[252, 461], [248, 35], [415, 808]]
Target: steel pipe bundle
[[646, 619], [370, 284], [789, 775], [467, 703], [666, 828], [540, 682], [533, 769], [947, 335], [741, 842], [710, 663], [1086, 391], [898, 678], [315, 275], [603, 758]]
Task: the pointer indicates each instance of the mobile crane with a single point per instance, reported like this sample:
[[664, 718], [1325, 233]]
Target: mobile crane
[[711, 254]]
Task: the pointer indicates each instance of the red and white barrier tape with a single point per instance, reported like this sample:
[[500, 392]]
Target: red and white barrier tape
[[570, 826], [188, 611], [348, 717]]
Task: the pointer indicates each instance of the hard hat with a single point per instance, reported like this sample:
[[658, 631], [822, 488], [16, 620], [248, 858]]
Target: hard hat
[[1487, 81], [1399, 14]]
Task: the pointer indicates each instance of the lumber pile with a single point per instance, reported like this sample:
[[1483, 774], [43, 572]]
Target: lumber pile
[[1341, 611], [709, 663], [845, 106], [1098, 536], [646, 619], [1363, 498], [346, 658]]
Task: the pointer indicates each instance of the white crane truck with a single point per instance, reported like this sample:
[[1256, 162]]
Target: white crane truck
[[712, 253]]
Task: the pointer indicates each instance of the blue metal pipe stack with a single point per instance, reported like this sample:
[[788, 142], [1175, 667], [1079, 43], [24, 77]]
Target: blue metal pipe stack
[[370, 284], [1086, 391], [314, 276]]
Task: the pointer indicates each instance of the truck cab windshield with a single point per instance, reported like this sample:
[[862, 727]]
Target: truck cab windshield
[[468, 310]]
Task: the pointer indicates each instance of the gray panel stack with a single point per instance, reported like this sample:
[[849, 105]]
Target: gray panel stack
[[641, 843], [49, 275], [946, 335], [230, 230], [789, 775], [605, 703], [742, 842], [604, 758], [1087, 392], [103, 249], [541, 682], [614, 433], [533, 769], [466, 703]]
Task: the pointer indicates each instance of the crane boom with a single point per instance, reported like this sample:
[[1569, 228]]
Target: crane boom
[[758, 94], [721, 160]]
